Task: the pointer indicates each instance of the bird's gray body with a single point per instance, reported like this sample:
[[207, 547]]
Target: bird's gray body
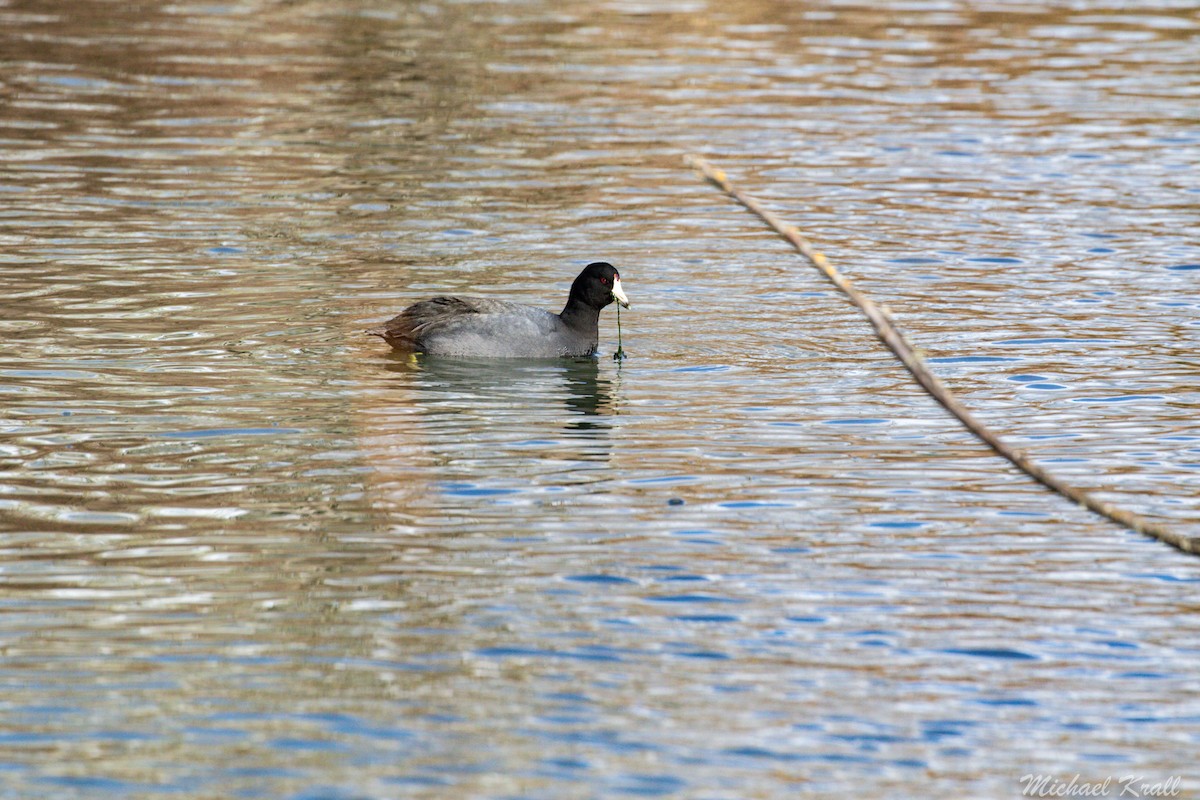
[[487, 328]]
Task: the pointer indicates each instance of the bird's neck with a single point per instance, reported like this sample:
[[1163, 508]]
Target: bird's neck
[[580, 316]]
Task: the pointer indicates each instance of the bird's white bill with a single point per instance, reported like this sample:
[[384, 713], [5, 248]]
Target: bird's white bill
[[619, 293]]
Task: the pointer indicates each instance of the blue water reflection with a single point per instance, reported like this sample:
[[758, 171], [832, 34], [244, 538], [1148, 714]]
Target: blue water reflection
[[246, 551]]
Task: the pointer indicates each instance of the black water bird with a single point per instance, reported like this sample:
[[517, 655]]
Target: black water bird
[[481, 327]]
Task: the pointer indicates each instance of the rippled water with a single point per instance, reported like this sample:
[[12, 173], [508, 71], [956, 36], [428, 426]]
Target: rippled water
[[246, 552]]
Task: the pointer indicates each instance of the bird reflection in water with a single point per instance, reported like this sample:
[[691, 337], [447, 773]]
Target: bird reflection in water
[[515, 393]]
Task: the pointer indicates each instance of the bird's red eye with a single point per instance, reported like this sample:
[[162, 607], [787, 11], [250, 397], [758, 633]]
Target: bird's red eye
[[604, 281]]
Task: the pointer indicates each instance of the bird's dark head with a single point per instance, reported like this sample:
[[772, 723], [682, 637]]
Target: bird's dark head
[[598, 285]]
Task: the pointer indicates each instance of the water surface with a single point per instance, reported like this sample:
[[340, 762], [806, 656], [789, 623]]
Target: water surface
[[246, 552]]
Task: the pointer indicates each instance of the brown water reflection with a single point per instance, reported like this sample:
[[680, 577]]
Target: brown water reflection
[[247, 553]]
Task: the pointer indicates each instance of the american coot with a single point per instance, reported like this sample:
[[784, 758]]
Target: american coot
[[482, 327]]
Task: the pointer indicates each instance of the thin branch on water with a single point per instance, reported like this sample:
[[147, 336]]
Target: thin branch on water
[[898, 343]]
